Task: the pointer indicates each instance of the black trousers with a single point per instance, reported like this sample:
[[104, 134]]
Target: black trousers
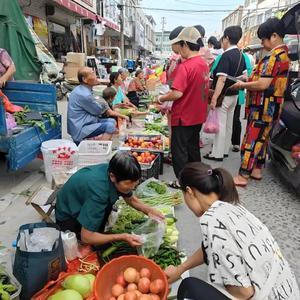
[[196, 289], [236, 127], [185, 146]]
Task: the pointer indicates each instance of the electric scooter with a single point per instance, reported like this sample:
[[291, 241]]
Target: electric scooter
[[285, 134]]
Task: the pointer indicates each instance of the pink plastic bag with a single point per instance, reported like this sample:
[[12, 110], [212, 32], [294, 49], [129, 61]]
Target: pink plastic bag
[[212, 124], [10, 121]]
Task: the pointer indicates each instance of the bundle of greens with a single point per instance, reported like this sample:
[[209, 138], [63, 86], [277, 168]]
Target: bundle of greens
[[20, 118], [167, 256], [128, 219], [7, 288], [167, 199]]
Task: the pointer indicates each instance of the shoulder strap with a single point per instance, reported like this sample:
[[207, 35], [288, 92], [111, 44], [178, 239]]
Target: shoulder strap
[[238, 67]]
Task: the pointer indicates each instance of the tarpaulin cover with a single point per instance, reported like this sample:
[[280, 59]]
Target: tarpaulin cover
[[15, 37]]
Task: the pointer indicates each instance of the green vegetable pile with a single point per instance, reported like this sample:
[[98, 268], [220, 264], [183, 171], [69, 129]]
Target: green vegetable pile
[[20, 118], [6, 287], [159, 188], [125, 111], [128, 219], [158, 127], [167, 256]]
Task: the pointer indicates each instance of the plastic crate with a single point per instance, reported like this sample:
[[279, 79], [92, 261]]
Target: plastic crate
[[151, 171], [93, 153]]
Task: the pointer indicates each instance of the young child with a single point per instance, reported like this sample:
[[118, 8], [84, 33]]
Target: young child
[[108, 95]]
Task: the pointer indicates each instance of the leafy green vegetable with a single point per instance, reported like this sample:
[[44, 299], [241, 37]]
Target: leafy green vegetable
[[158, 187]]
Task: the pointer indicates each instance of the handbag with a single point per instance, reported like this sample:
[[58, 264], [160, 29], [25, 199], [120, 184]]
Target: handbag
[[34, 268], [222, 95]]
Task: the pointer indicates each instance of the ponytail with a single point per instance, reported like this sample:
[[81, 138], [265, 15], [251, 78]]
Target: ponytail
[[227, 189], [207, 180]]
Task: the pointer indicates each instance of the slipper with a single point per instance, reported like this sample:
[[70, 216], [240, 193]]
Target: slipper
[[242, 185], [174, 185], [207, 156], [256, 178]]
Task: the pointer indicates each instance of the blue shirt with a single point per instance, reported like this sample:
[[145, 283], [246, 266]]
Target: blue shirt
[[119, 97], [84, 113]]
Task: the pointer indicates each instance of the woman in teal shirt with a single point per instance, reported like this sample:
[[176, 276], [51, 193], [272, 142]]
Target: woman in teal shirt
[[120, 99], [237, 126]]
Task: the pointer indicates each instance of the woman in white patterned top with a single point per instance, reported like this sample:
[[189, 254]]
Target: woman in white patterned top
[[244, 261]]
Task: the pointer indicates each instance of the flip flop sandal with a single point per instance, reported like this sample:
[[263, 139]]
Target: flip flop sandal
[[256, 178], [174, 185]]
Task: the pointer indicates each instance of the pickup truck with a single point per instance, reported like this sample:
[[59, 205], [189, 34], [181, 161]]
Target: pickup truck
[[22, 147]]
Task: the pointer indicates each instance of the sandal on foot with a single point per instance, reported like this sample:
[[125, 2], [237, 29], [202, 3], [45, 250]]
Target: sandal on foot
[[174, 185], [207, 156]]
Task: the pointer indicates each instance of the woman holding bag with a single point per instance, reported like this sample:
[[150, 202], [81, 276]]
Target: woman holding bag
[[243, 259], [231, 63]]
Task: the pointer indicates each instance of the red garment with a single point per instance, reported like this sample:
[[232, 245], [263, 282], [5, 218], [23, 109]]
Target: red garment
[[192, 79], [8, 106]]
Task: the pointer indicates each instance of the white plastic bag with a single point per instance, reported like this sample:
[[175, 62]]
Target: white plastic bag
[[151, 234], [212, 124]]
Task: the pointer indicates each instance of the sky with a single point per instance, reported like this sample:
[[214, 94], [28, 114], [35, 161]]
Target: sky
[[211, 21]]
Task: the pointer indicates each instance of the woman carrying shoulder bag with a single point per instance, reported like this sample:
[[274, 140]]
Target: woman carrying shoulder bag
[[231, 63]]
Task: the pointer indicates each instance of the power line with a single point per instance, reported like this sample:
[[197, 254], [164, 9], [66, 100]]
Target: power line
[[202, 10]]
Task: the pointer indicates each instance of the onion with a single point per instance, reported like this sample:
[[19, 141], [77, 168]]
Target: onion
[[131, 287], [117, 290], [145, 273], [144, 285], [130, 296], [130, 275]]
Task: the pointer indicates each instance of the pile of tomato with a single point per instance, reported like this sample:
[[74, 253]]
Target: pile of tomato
[[137, 285], [144, 157], [141, 143]]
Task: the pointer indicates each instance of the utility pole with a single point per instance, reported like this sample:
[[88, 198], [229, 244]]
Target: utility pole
[[121, 8], [163, 23]]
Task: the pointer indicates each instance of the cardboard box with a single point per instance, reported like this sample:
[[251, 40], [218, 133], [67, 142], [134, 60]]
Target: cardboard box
[[71, 72], [78, 59]]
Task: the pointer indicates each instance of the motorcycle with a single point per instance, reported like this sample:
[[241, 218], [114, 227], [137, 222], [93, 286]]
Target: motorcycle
[[284, 147]]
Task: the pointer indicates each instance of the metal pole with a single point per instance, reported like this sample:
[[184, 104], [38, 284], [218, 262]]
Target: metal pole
[[163, 22], [121, 8]]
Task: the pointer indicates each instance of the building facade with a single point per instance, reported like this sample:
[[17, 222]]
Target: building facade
[[162, 44], [85, 25], [256, 12], [234, 18]]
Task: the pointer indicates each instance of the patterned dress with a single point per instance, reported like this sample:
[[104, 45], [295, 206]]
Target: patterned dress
[[263, 108], [5, 61]]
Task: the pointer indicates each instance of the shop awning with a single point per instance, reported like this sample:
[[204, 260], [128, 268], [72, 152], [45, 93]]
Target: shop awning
[[71, 5]]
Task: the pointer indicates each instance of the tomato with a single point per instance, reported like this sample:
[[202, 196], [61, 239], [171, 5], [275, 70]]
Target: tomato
[[144, 285], [131, 287], [145, 272], [130, 275], [130, 296], [145, 297], [117, 290], [153, 156], [154, 297], [121, 280], [157, 286], [139, 158]]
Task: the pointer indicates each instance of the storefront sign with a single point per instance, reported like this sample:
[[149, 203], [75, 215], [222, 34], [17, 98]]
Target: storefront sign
[[71, 5]]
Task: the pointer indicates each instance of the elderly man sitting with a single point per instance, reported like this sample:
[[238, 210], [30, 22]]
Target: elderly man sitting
[[85, 112]]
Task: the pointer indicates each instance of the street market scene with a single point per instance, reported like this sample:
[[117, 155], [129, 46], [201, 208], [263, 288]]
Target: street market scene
[[149, 150]]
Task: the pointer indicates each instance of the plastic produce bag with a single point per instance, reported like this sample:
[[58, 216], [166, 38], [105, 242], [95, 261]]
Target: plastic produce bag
[[151, 234], [151, 188], [212, 124]]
